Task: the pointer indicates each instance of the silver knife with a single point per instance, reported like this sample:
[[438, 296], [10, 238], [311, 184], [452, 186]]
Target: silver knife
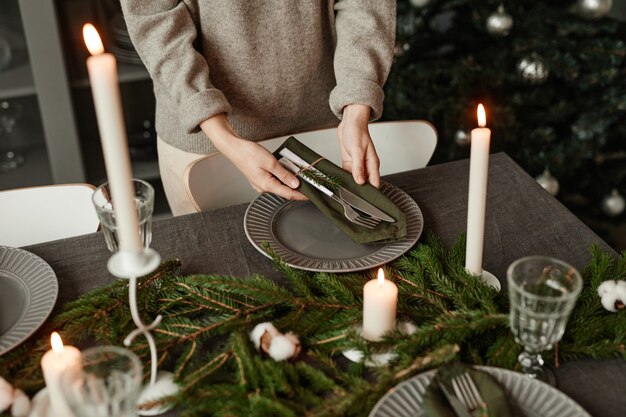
[[347, 196]]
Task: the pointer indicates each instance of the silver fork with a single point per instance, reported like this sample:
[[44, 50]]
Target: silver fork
[[466, 391], [348, 211], [353, 216]]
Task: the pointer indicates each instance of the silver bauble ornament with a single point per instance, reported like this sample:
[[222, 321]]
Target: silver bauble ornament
[[533, 69], [419, 3], [462, 138], [593, 9], [613, 204], [499, 23], [548, 182]]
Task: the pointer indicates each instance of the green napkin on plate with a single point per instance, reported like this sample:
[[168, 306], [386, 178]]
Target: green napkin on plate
[[384, 232], [436, 404]]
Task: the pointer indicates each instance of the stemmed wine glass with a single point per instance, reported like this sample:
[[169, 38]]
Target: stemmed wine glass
[[542, 294], [9, 158], [106, 385]]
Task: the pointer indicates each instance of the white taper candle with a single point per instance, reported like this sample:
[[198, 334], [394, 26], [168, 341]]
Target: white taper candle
[[477, 195], [102, 69]]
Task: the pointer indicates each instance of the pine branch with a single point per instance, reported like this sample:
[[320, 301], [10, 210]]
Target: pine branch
[[331, 182], [204, 333]]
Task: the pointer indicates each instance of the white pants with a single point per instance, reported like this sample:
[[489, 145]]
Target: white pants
[[172, 165]]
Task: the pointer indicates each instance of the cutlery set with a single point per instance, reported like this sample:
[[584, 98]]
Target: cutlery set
[[355, 208], [466, 400], [466, 391]]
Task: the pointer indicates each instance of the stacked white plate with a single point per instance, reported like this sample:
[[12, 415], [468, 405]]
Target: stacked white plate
[[28, 291]]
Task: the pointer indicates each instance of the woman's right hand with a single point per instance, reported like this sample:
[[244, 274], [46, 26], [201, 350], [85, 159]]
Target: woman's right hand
[[256, 163], [262, 169]]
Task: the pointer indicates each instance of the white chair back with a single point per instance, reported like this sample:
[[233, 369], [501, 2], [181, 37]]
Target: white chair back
[[40, 214], [213, 181]]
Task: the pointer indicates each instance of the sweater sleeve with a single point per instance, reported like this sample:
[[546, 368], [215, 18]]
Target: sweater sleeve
[[365, 41], [164, 33]]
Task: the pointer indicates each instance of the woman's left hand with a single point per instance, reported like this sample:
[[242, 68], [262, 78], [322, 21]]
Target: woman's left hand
[[358, 154]]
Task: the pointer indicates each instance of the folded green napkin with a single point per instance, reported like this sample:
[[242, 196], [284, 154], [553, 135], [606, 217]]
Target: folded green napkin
[[382, 233], [436, 404]]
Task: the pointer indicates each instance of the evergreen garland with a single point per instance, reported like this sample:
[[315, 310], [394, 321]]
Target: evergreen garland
[[206, 319]]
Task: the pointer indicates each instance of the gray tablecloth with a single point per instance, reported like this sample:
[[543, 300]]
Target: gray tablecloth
[[522, 219]]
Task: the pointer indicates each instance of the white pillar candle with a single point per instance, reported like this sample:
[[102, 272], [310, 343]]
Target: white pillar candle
[[380, 302], [477, 196], [102, 69], [60, 360]]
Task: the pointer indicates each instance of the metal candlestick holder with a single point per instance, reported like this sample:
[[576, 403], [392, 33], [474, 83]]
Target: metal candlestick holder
[[132, 265], [491, 280], [380, 358]]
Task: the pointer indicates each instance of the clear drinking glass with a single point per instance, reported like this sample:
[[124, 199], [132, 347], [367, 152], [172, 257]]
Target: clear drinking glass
[[542, 294], [107, 386], [144, 201]]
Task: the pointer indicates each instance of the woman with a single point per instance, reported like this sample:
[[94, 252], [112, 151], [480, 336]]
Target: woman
[[228, 73]]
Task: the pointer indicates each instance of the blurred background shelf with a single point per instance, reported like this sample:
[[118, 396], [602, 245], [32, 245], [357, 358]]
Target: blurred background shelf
[[34, 171], [146, 170], [43, 72], [16, 82]]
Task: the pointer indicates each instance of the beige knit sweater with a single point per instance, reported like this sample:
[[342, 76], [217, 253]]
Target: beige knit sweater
[[275, 66]]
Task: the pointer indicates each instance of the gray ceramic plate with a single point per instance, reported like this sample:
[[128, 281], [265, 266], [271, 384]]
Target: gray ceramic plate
[[304, 238], [533, 398], [28, 291]]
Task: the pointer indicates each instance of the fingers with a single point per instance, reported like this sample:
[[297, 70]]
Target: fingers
[[346, 164], [274, 186], [279, 180], [284, 175], [263, 171], [365, 167], [358, 166], [358, 154], [372, 164]]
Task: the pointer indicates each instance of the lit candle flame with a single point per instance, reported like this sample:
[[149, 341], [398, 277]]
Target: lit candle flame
[[92, 39], [482, 116], [56, 342], [381, 277]]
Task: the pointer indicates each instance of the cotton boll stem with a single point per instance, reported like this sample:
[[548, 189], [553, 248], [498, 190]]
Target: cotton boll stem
[[259, 330]]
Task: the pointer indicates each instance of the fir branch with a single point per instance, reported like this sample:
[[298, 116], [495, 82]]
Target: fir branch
[[332, 182], [298, 278], [204, 333], [442, 355]]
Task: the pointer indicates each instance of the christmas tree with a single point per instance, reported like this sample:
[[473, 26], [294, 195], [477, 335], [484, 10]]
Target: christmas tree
[[552, 76]]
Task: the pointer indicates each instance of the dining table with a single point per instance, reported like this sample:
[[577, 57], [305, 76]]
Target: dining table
[[521, 219]]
